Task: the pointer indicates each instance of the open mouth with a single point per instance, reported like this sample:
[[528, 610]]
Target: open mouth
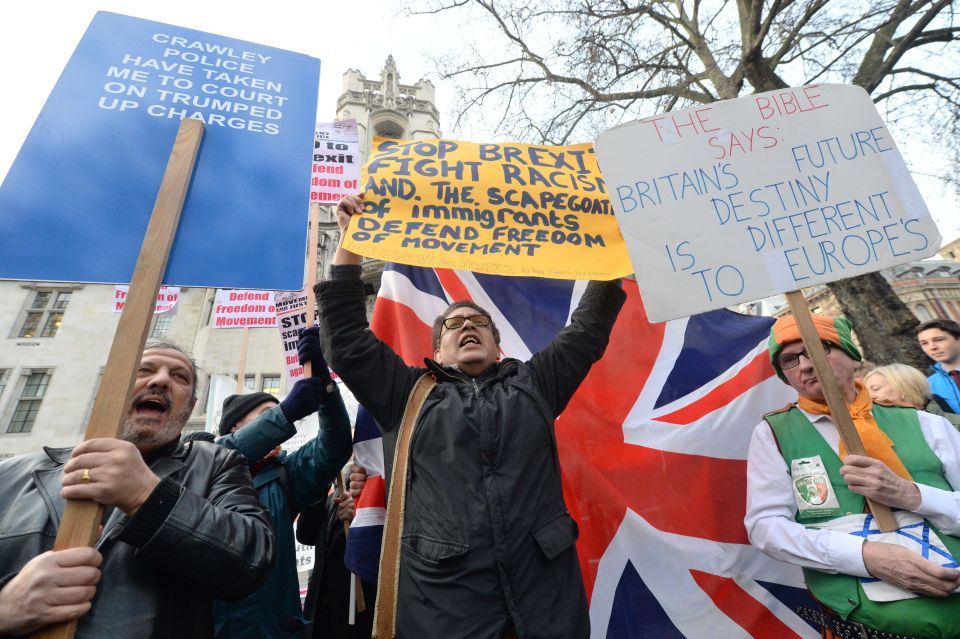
[[469, 339], [150, 406]]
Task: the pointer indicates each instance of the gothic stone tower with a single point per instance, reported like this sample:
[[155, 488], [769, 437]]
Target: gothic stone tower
[[386, 108]]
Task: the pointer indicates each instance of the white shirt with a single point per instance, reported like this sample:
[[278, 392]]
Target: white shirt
[[771, 507]]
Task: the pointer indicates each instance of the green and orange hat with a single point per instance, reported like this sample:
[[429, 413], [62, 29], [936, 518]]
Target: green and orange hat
[[836, 330]]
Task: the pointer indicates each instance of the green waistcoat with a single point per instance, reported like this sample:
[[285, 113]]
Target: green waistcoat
[[919, 617]]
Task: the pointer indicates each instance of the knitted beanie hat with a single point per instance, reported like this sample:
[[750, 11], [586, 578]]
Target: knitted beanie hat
[[836, 330], [236, 408]]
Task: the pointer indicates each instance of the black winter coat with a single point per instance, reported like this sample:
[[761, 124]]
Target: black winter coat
[[201, 534], [487, 538], [327, 606]]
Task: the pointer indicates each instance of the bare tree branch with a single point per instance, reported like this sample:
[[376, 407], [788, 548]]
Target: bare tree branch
[[558, 71]]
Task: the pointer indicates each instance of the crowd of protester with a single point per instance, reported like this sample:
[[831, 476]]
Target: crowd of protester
[[198, 532]]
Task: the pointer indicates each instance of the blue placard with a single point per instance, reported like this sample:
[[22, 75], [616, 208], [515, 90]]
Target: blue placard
[[75, 204]]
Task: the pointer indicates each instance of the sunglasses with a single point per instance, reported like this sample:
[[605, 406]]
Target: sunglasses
[[453, 323], [793, 359]]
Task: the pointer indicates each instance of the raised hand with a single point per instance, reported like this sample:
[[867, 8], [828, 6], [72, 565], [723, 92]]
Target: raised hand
[[309, 350], [348, 206], [358, 477]]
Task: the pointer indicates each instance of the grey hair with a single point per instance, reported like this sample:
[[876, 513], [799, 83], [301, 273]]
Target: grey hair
[[170, 346]]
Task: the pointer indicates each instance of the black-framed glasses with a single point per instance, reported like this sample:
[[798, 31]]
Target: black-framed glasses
[[792, 359], [457, 321]]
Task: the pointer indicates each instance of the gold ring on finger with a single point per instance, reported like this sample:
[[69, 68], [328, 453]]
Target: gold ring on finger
[[86, 475]]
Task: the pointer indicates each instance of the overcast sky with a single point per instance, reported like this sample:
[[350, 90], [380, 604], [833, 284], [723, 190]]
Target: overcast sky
[[38, 37]]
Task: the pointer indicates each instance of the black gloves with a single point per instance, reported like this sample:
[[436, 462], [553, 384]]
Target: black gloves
[[308, 393], [308, 348], [304, 398]]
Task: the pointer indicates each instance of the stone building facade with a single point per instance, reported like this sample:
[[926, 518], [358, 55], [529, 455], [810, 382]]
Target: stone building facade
[[930, 288], [389, 109], [951, 250]]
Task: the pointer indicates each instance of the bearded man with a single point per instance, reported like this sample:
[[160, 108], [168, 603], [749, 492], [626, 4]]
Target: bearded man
[[182, 524]]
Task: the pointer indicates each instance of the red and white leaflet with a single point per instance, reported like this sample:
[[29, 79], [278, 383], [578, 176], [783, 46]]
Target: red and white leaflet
[[244, 309], [336, 162], [291, 314], [167, 298]]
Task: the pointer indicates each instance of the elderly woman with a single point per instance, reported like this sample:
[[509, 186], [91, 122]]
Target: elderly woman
[[902, 384]]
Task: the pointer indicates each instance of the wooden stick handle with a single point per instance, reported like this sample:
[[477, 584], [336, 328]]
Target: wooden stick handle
[[242, 366], [81, 519], [835, 400], [311, 274], [361, 605]]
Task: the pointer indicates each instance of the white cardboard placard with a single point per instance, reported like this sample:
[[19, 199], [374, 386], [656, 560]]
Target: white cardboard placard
[[769, 193]]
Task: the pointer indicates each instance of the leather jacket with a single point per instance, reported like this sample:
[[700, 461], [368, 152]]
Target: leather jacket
[[201, 534]]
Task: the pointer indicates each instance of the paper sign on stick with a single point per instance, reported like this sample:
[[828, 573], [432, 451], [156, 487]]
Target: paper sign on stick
[[511, 209], [336, 162], [167, 298], [76, 202], [764, 194], [244, 309], [291, 307]]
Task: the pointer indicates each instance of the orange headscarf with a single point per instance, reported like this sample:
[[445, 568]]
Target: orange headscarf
[[836, 330]]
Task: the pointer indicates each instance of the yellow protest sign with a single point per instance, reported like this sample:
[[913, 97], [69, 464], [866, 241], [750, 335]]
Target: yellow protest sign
[[508, 209]]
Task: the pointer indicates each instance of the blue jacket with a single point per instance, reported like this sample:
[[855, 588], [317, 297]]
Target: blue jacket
[[274, 610], [943, 385]]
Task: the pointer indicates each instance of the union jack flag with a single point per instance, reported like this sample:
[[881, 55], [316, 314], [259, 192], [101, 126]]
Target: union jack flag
[[652, 447]]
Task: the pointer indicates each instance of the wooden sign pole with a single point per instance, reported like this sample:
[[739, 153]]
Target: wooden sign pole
[[835, 399], [354, 582], [242, 367], [310, 280], [81, 518], [312, 238]]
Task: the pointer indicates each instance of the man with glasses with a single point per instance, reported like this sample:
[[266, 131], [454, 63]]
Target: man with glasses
[[806, 498], [488, 546]]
